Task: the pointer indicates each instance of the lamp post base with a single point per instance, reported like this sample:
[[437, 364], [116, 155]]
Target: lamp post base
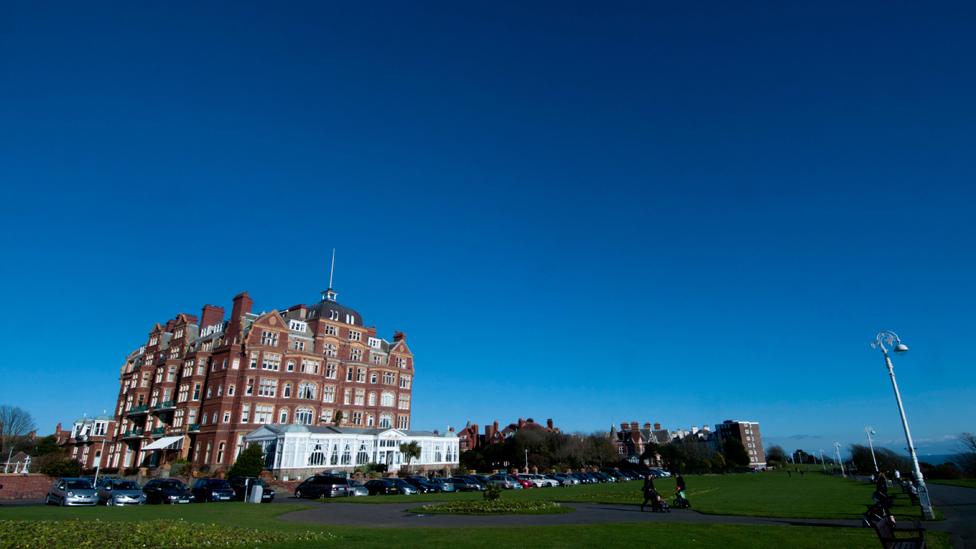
[[925, 502]]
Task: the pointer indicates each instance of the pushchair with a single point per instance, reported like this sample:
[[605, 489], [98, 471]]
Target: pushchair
[[658, 505], [680, 501]]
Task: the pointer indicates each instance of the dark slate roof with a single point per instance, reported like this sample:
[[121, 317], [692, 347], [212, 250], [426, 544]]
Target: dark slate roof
[[323, 309]]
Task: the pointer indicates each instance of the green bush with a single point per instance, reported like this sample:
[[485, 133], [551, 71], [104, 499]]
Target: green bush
[[58, 466], [249, 464], [22, 534], [492, 492]]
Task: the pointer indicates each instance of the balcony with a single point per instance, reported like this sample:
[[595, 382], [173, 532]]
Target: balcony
[[165, 406], [135, 433], [158, 432], [194, 427], [141, 409]]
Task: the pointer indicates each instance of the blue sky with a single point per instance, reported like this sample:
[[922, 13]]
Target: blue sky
[[590, 213]]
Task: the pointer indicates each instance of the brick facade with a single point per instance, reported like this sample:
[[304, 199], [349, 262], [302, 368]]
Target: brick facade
[[197, 387], [24, 487]]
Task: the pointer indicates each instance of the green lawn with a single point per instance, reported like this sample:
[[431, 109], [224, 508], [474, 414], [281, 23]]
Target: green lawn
[[773, 494], [263, 517], [965, 482]]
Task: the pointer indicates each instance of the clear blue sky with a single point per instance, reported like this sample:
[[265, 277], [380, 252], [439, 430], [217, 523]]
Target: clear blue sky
[[589, 213]]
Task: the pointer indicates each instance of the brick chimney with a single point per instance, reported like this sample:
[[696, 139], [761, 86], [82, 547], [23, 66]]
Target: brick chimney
[[647, 426], [211, 315], [521, 423], [657, 426], [549, 424], [623, 426], [399, 336], [242, 306]]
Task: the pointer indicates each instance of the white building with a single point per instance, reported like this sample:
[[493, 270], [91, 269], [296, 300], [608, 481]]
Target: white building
[[298, 451]]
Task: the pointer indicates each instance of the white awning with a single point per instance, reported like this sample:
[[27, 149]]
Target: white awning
[[165, 443]]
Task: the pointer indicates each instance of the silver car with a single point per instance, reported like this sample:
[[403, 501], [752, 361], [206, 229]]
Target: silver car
[[113, 491], [72, 491], [356, 488]]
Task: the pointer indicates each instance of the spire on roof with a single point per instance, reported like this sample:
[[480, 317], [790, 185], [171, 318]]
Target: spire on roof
[[329, 294]]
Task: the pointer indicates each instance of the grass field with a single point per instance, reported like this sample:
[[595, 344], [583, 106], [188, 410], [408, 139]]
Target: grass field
[[768, 494], [773, 494], [264, 517]]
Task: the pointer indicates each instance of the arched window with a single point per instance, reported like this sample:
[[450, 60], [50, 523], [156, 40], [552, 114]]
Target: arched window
[[369, 420], [317, 457], [283, 416], [286, 392], [335, 455], [386, 421], [346, 455], [372, 399], [386, 399], [304, 416], [220, 452], [437, 453], [362, 457], [306, 390]]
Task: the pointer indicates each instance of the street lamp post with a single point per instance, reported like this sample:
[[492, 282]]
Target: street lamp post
[[870, 432], [843, 473], [891, 338]]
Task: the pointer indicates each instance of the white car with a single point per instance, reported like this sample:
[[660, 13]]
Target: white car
[[541, 481]]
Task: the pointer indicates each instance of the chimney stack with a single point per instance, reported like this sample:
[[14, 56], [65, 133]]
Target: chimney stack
[[211, 315], [399, 336], [242, 306], [623, 426], [657, 426], [647, 426], [549, 424]]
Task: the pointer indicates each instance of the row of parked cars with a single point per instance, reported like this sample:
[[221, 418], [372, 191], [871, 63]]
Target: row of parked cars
[[330, 485], [119, 492]]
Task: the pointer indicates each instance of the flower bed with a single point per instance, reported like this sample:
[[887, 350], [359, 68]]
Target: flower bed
[[495, 507], [24, 534]]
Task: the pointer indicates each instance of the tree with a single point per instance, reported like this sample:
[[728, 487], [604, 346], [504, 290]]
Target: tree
[[735, 453], [888, 460], [44, 446], [410, 451], [337, 418], [776, 455], [966, 458], [249, 464], [15, 423]]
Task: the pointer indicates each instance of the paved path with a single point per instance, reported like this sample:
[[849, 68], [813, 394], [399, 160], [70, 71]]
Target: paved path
[[958, 504]]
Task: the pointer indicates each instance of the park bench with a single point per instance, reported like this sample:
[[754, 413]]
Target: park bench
[[888, 535]]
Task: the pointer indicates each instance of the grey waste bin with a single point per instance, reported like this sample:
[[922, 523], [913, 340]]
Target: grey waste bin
[[256, 492]]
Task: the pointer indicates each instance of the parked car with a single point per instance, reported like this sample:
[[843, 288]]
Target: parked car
[[422, 485], [603, 477], [212, 490], [238, 484], [466, 484], [357, 488], [483, 479], [507, 482], [318, 486], [167, 490], [72, 491], [114, 491], [443, 484], [659, 473], [389, 486], [405, 487], [566, 479]]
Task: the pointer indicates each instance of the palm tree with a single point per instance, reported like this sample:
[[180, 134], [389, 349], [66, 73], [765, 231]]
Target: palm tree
[[410, 451]]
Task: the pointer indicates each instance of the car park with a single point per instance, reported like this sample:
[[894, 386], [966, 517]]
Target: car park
[[566, 479], [72, 491], [357, 488], [240, 485], [507, 482], [660, 473], [422, 485], [167, 490], [389, 486], [443, 484], [483, 479], [113, 491], [212, 490], [405, 487], [466, 484], [319, 486]]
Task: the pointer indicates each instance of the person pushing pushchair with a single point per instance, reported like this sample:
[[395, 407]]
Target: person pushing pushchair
[[680, 497], [652, 496]]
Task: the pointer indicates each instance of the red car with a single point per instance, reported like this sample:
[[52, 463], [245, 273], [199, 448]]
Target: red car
[[526, 483]]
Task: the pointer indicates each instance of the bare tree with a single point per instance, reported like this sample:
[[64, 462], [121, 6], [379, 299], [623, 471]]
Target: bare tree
[[966, 459], [14, 423]]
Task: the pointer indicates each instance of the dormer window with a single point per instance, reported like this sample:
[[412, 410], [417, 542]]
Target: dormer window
[[374, 342], [333, 315], [297, 325], [350, 319]]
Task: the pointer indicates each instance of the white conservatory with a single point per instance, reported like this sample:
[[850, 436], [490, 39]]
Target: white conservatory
[[298, 451]]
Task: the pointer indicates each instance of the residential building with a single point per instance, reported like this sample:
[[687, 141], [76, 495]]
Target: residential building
[[747, 432], [470, 439], [197, 387], [88, 440], [297, 451], [631, 440]]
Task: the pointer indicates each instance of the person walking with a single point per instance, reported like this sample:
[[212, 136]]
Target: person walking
[[679, 489], [650, 494]]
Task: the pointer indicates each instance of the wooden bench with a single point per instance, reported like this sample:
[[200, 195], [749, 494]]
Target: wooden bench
[[889, 535]]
